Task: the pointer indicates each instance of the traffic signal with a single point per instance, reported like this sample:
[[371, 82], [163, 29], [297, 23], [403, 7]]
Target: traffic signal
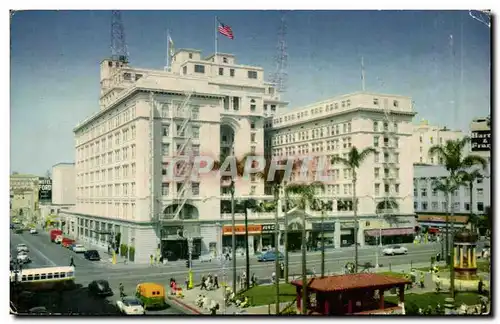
[[187, 264]]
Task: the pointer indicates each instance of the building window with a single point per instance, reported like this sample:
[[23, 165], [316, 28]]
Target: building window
[[480, 181], [467, 206], [479, 192], [236, 103], [444, 206], [231, 72], [165, 189], [386, 188], [424, 205], [434, 205], [195, 188], [375, 101], [252, 125], [190, 55], [423, 192], [415, 205], [375, 141], [376, 172], [253, 106], [199, 68], [480, 206], [395, 103], [377, 189], [396, 187], [224, 60], [375, 126], [421, 139], [252, 137], [252, 74], [221, 71], [166, 130]]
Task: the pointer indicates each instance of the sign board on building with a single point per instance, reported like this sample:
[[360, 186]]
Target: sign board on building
[[240, 229], [442, 218], [44, 189], [327, 226], [481, 140], [268, 228]]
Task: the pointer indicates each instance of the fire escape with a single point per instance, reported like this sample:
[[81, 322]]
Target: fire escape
[[389, 162], [182, 118]]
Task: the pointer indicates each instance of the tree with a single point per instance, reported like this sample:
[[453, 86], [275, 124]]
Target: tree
[[447, 187], [468, 178], [226, 164], [354, 159], [306, 194], [451, 155]]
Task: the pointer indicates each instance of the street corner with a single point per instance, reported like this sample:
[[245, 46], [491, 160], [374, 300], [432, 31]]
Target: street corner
[[185, 305]]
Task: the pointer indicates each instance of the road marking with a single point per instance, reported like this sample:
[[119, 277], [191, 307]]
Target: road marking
[[127, 275], [38, 251]]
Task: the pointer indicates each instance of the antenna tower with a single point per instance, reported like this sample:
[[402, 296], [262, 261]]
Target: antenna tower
[[119, 50], [279, 77]]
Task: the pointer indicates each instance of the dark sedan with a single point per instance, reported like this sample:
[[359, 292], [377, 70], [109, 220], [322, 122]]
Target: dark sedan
[[92, 255], [100, 288]]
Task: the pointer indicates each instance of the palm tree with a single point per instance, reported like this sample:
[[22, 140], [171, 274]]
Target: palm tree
[[451, 154], [306, 196], [240, 170], [468, 178], [277, 181], [353, 161], [447, 187]]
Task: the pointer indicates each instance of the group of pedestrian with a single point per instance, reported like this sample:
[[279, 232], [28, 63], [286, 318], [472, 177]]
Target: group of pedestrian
[[209, 282]]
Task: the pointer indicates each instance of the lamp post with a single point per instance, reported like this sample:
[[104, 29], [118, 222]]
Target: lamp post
[[233, 235]]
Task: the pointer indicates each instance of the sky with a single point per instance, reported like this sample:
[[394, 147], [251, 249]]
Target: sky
[[55, 59]]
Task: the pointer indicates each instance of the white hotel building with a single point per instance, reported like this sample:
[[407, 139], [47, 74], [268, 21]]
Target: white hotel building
[[201, 106], [214, 106], [384, 187]]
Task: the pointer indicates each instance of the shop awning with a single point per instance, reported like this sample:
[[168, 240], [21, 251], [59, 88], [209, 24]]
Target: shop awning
[[390, 231]]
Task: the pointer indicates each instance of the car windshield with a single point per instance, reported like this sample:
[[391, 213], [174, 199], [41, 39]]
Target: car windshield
[[396, 247], [131, 301]]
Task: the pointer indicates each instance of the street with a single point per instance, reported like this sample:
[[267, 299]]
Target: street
[[45, 253]]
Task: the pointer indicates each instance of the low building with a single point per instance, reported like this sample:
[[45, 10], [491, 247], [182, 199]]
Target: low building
[[24, 194], [430, 205]]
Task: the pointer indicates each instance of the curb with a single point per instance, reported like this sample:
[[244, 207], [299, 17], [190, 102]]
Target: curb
[[185, 305]]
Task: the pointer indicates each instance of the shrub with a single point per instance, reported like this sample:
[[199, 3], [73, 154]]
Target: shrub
[[123, 250], [131, 254]]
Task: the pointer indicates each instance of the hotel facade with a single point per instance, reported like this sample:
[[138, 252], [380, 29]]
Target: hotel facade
[[213, 106]]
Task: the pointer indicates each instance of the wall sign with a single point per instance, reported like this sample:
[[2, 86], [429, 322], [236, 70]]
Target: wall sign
[[481, 141], [45, 189]]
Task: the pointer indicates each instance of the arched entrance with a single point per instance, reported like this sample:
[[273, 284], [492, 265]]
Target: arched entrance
[[188, 212], [227, 136]]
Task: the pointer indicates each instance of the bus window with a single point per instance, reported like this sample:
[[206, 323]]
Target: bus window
[[24, 278], [30, 277], [37, 276], [49, 275], [71, 274], [56, 274], [63, 274], [43, 276]]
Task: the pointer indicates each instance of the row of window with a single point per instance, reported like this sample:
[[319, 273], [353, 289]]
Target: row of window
[[431, 140], [116, 191], [435, 206], [167, 188], [47, 276], [387, 188], [319, 110], [179, 132], [105, 144], [120, 172], [177, 108], [108, 209], [200, 68], [104, 124], [103, 226], [423, 192], [314, 133]]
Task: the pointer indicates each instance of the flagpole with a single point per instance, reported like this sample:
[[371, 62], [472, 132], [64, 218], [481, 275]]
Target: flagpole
[[216, 39], [167, 65]]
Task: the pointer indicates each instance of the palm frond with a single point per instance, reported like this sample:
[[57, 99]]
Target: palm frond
[[472, 160]]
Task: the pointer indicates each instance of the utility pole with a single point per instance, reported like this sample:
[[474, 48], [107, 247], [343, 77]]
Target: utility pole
[[323, 206], [190, 260], [233, 238]]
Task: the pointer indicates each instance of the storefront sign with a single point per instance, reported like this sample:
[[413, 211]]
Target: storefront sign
[[268, 228], [240, 229], [442, 218], [327, 226], [346, 225], [481, 141]]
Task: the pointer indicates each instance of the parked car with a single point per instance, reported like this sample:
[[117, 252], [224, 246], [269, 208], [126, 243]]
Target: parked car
[[100, 288], [92, 255], [78, 248], [129, 305], [33, 231], [22, 247], [395, 249], [206, 258], [270, 256], [40, 310], [58, 239], [23, 257]]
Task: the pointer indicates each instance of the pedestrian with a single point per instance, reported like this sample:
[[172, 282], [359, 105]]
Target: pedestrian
[[71, 262], [122, 290], [203, 283], [151, 259], [480, 286], [216, 282], [421, 281]]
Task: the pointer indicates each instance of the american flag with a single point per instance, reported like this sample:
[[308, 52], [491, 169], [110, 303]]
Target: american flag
[[225, 30]]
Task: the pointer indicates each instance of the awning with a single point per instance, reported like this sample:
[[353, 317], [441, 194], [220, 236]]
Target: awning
[[390, 231]]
